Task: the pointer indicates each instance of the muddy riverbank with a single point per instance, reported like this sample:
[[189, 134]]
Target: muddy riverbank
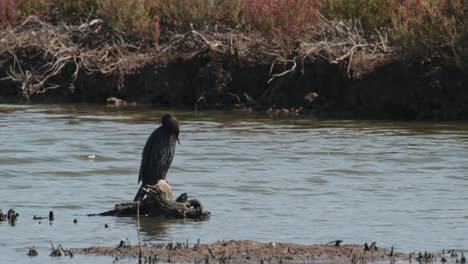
[[246, 251], [340, 75]]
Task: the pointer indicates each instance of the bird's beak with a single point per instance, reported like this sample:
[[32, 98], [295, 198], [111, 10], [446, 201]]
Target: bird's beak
[[178, 140]]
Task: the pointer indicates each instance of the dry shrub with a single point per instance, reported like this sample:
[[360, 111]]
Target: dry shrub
[[8, 12], [419, 28], [423, 27], [371, 13], [284, 20], [179, 14], [13, 12], [139, 15], [74, 11], [130, 16]]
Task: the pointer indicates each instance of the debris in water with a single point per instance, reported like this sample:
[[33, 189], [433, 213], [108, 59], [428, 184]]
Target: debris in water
[[2, 216], [67, 251], [51, 216], [39, 217], [116, 102], [32, 252], [91, 157], [12, 217], [121, 244], [55, 251]]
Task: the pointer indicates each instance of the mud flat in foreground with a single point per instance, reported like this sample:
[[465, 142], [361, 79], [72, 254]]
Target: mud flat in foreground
[[246, 251]]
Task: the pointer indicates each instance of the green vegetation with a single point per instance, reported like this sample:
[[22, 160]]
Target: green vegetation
[[419, 29]]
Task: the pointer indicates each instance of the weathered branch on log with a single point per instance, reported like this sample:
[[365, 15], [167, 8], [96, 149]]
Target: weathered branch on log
[[159, 202]]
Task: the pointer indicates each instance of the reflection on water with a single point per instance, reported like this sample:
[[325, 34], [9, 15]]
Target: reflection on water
[[301, 180]]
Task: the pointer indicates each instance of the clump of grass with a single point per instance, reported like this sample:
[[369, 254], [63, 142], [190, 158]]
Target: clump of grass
[[418, 28], [422, 28], [8, 12], [371, 13], [180, 14], [12, 12], [73, 11], [130, 16], [284, 20]]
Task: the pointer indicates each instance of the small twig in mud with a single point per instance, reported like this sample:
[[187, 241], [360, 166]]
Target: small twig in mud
[[373, 246], [140, 254], [383, 40], [348, 54], [335, 242], [173, 43], [196, 33]]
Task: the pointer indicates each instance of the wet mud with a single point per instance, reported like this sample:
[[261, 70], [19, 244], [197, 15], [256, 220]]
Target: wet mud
[[246, 251]]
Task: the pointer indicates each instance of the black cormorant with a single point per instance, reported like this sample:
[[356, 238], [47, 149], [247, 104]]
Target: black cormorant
[[158, 153]]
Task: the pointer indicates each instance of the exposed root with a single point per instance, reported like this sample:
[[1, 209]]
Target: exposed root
[[292, 69], [338, 41]]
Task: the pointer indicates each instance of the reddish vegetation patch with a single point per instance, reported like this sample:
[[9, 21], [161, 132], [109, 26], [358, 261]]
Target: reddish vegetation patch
[[246, 251]]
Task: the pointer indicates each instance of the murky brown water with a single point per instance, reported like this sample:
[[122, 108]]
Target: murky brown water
[[402, 184]]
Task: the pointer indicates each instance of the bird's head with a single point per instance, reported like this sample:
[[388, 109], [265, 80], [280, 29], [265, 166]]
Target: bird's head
[[171, 124]]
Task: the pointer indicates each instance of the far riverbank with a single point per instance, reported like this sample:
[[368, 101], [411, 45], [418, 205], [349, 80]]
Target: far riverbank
[[341, 75]]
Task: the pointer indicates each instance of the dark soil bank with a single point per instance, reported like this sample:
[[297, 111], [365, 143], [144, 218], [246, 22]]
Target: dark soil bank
[[393, 90], [198, 73]]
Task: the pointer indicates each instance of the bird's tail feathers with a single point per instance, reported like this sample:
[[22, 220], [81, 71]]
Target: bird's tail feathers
[[140, 194]]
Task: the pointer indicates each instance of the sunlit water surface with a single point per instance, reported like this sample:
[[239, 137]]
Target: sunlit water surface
[[301, 180]]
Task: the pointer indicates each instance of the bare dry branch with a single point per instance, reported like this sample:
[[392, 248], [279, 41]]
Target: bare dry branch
[[293, 68], [201, 98], [235, 97]]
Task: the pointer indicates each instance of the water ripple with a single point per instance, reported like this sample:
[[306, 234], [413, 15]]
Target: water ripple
[[292, 179]]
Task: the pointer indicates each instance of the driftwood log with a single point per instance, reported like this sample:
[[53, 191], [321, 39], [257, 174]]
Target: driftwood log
[[159, 202]]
